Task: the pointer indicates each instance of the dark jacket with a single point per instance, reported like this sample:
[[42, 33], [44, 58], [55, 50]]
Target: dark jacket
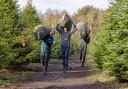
[[65, 36], [46, 44]]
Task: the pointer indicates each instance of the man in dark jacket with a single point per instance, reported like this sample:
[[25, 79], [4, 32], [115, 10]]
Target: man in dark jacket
[[65, 33]]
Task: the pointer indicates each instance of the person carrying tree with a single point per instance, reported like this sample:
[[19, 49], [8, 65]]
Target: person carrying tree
[[66, 29], [46, 44], [84, 40]]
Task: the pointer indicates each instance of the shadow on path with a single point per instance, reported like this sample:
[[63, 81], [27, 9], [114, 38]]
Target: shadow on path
[[76, 78]]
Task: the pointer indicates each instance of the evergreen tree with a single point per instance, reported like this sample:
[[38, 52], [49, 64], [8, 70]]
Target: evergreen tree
[[8, 18], [9, 22], [30, 19], [110, 49]]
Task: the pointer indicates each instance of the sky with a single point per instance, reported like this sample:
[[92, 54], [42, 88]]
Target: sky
[[69, 5]]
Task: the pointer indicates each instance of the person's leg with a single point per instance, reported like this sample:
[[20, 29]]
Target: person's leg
[[84, 55], [42, 58], [67, 56], [47, 60], [63, 55], [81, 53]]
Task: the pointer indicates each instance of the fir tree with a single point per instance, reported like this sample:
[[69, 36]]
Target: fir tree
[[9, 21], [30, 17], [110, 49]]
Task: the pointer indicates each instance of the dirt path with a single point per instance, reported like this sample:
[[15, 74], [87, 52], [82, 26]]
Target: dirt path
[[76, 78]]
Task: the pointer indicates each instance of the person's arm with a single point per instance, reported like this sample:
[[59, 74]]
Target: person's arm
[[73, 29], [58, 29]]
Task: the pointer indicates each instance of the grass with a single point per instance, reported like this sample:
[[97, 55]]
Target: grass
[[103, 77], [12, 78], [110, 80]]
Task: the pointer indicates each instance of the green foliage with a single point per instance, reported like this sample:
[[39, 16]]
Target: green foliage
[[24, 46], [85, 10], [5, 58], [29, 19], [56, 52], [17, 45], [110, 48], [29, 16], [10, 78], [74, 46], [8, 18], [9, 23]]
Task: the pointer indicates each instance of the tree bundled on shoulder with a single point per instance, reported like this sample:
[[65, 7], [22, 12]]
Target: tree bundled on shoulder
[[110, 47]]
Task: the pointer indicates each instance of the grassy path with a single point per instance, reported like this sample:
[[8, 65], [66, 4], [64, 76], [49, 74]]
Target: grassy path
[[76, 78]]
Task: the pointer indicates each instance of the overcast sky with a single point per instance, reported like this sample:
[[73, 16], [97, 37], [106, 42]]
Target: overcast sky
[[70, 5]]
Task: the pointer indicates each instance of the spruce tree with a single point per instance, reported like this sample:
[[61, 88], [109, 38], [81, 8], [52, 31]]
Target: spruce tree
[[9, 22], [110, 48], [29, 19]]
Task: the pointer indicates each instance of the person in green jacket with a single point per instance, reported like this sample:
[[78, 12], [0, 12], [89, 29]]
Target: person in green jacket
[[46, 44]]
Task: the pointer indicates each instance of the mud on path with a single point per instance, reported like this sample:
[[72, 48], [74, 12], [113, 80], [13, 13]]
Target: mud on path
[[76, 78]]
